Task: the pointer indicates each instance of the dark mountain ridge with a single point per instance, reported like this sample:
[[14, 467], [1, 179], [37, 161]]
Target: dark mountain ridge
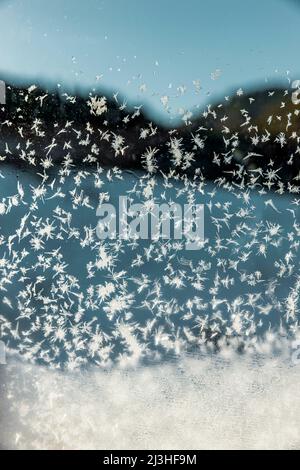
[[248, 138]]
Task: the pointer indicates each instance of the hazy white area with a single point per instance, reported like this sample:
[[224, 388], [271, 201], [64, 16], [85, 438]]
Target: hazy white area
[[214, 402]]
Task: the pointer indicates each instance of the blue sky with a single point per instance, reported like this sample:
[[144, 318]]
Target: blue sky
[[149, 49]]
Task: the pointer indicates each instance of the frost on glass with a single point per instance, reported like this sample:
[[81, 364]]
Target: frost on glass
[[72, 298]]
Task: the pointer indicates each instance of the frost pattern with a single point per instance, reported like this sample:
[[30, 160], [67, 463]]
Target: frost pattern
[[69, 299]]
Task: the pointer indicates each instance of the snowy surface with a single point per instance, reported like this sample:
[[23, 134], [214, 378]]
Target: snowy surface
[[229, 403]]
